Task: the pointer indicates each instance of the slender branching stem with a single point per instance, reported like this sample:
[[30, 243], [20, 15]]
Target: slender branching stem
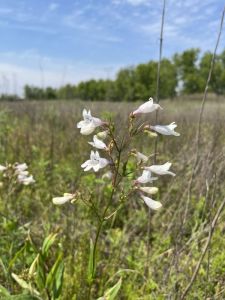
[[103, 217], [156, 118]]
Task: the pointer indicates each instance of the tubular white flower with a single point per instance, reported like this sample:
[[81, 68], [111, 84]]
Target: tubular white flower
[[22, 173], [149, 190], [155, 205], [98, 143], [20, 167], [146, 177], [62, 200], [147, 107], [141, 158], [161, 169], [95, 162], [2, 168], [88, 125], [25, 180], [166, 129]]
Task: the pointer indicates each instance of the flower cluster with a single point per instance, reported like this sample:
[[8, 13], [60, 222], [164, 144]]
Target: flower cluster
[[87, 126], [18, 171], [150, 173], [146, 176]]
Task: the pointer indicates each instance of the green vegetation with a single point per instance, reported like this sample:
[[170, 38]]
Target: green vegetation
[[45, 250], [185, 73]]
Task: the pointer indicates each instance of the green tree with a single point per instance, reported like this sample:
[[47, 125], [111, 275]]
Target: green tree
[[125, 84], [188, 71]]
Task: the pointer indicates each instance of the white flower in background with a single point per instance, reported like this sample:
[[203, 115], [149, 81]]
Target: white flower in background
[[102, 134], [2, 168], [95, 162], [22, 173], [98, 143], [166, 129], [107, 175], [141, 158], [149, 190], [26, 180], [146, 177], [62, 200], [147, 107], [88, 125], [20, 167], [161, 169], [155, 205]]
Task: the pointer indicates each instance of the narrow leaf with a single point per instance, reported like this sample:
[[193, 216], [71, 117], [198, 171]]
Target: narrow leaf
[[49, 240], [4, 291], [111, 293]]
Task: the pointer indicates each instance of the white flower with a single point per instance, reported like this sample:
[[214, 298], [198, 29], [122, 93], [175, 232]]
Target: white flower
[[155, 205], [25, 180], [146, 177], [22, 173], [141, 158], [166, 129], [161, 169], [95, 162], [98, 143], [147, 107], [61, 200], [20, 167], [107, 175], [2, 168], [88, 125], [149, 189]]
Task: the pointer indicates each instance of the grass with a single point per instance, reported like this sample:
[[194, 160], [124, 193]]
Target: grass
[[45, 136]]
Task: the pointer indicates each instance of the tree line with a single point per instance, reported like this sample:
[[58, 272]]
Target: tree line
[[184, 73]]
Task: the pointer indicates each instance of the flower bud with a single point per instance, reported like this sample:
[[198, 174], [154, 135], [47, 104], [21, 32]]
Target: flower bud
[[102, 134], [149, 189]]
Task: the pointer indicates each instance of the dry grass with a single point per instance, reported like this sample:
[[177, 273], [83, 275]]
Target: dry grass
[[44, 134]]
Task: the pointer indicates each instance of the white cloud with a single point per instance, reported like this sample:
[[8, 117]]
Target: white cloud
[[31, 68], [53, 6]]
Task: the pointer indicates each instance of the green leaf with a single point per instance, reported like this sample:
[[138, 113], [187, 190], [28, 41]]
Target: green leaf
[[111, 293], [48, 242], [33, 266], [58, 282], [4, 291], [20, 281], [90, 263], [15, 257], [55, 277], [24, 284], [3, 267]]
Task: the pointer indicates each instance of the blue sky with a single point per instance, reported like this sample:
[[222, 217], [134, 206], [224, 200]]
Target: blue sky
[[52, 42]]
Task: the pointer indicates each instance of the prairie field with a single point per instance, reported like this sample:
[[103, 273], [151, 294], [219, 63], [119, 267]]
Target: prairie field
[[146, 255]]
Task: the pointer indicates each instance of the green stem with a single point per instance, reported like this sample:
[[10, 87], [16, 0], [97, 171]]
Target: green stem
[[102, 221]]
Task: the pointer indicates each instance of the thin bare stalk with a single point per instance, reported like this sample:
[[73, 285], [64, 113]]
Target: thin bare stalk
[[156, 118], [198, 135], [211, 230], [103, 217]]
